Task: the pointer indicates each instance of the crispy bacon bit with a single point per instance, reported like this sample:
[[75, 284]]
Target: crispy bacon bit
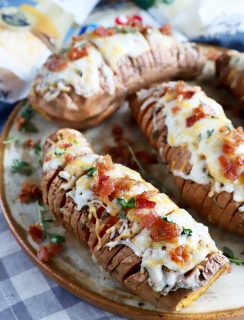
[[105, 186], [233, 138], [182, 89], [42, 254], [36, 232], [45, 253], [188, 94], [175, 109], [180, 254], [66, 145], [103, 32], [198, 114], [100, 211], [76, 53], [47, 158], [117, 132], [29, 191], [166, 29], [55, 63], [146, 157], [121, 185], [229, 167], [142, 203], [29, 143], [160, 230], [68, 157], [104, 165], [228, 148]]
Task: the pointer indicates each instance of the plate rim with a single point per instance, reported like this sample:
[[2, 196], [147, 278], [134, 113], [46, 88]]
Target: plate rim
[[52, 271]]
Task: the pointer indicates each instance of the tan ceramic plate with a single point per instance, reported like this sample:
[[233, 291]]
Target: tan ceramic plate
[[74, 269]]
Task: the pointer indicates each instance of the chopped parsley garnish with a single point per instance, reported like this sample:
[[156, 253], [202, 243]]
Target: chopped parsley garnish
[[59, 152], [131, 203], [167, 220], [122, 214], [27, 115], [56, 238], [230, 255], [11, 139], [125, 29], [37, 148], [187, 232], [209, 133], [199, 137], [22, 167], [38, 152], [228, 128], [91, 171]]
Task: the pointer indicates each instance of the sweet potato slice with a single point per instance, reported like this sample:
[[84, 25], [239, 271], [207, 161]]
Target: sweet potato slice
[[121, 255], [129, 265], [230, 74], [98, 231], [219, 208]]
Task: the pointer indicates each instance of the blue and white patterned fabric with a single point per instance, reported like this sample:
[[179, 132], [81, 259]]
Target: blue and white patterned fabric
[[27, 294]]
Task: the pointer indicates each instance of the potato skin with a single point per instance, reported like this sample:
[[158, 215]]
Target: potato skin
[[230, 76], [76, 111], [120, 261], [220, 210]]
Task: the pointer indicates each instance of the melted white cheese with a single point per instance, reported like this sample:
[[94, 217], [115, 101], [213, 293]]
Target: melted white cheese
[[154, 257], [57, 153], [159, 41], [202, 139], [83, 75], [120, 45], [82, 193]]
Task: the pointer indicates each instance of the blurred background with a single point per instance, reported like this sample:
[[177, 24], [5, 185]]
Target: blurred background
[[31, 30]]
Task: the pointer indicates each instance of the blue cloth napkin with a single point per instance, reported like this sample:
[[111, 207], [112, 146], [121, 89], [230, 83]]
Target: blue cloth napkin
[[5, 110]]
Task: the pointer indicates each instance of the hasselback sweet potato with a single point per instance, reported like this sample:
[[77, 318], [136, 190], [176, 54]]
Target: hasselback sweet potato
[[87, 81], [201, 147], [144, 240], [230, 72]]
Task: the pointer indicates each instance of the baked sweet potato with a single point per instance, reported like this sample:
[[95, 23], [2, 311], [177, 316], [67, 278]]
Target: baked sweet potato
[[230, 72], [87, 81], [144, 240], [201, 147]]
